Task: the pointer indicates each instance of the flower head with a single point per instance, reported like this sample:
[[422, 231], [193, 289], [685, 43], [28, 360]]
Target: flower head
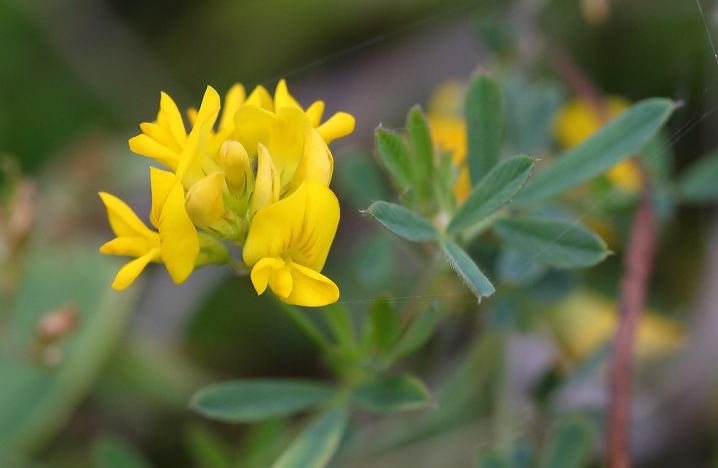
[[175, 243], [288, 243], [262, 157]]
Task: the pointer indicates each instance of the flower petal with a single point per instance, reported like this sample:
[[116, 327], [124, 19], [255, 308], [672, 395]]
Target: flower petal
[[194, 164], [310, 288], [273, 227], [280, 281], [232, 101], [123, 220], [132, 270], [266, 185], [339, 125], [237, 167], [130, 246], [287, 140], [253, 125], [161, 183], [262, 270], [170, 117], [178, 236], [301, 226], [260, 97], [316, 163], [321, 218], [204, 201], [314, 113], [144, 145], [282, 98], [161, 135]]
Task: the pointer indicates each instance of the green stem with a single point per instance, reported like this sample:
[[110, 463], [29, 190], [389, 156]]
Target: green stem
[[339, 321], [502, 413], [304, 324], [471, 233]]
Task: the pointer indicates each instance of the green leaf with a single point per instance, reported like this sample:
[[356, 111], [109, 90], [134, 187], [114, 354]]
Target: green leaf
[[569, 444], [492, 459], [699, 182], [495, 190], [384, 324], [392, 395], [113, 452], [402, 222], [35, 401], [316, 445], [394, 155], [518, 269], [417, 333], [467, 270], [484, 112], [255, 400], [618, 140], [422, 150], [555, 243]]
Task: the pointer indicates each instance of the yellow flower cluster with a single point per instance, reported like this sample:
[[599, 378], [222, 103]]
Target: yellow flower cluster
[[256, 177], [579, 119], [584, 321]]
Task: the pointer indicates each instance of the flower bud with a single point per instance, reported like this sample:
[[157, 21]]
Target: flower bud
[[266, 187], [237, 167], [204, 201], [56, 324]]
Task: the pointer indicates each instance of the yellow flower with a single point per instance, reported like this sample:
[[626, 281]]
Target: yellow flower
[[448, 130], [288, 243], [585, 321], [175, 243], [163, 139], [167, 141], [298, 151], [449, 134], [579, 119], [296, 139], [338, 125]]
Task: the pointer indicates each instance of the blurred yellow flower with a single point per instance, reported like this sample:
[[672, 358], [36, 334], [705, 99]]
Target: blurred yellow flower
[[175, 243], [579, 119], [448, 130], [584, 321], [288, 243]]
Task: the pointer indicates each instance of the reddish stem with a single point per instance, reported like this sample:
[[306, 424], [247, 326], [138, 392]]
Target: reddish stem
[[637, 269]]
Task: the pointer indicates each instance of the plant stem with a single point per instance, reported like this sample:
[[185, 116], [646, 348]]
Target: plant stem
[[637, 268], [503, 411], [304, 324], [478, 228], [339, 321]]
